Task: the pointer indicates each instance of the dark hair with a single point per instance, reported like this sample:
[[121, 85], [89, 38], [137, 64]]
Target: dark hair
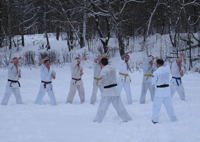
[[14, 58], [104, 61], [46, 61], [126, 55], [160, 62]]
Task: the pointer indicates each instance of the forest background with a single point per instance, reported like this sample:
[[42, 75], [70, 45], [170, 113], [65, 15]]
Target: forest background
[[174, 24]]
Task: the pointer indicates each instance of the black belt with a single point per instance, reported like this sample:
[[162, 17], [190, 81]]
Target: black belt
[[14, 82], [76, 79], [110, 86], [45, 83], [163, 86]]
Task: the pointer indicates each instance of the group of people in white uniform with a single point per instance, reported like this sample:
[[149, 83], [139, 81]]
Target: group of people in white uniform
[[156, 79]]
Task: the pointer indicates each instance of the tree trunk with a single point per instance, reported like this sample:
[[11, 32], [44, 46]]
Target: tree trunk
[[45, 28], [1, 24], [58, 31], [121, 44], [190, 50], [83, 31], [22, 29], [9, 26], [104, 40]]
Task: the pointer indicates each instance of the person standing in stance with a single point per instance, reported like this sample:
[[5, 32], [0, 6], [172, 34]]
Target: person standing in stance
[[47, 74], [76, 82], [124, 78], [110, 94], [176, 82], [162, 93], [148, 69], [14, 73]]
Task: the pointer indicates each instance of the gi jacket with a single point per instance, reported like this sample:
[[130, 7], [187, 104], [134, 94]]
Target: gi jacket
[[76, 73], [148, 69], [123, 69], [161, 77], [108, 77], [12, 72], [45, 74], [175, 70]]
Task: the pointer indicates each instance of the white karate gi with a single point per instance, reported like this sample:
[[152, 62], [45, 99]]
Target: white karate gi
[[176, 83], [76, 84], [96, 82], [124, 81], [46, 77], [162, 95], [146, 82], [12, 86], [110, 95]]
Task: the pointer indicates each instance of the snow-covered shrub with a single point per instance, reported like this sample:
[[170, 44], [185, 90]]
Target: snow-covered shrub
[[28, 58], [6, 56], [100, 50], [53, 55], [41, 47], [111, 51], [66, 56]]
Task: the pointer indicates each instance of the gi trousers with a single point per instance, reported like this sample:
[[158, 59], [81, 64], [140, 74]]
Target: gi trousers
[[8, 92], [117, 104], [180, 89], [127, 89], [145, 87], [72, 93], [157, 103], [94, 93], [42, 91]]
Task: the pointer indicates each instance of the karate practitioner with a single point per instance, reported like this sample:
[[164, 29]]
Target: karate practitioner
[[148, 68], [110, 93], [97, 80], [47, 74], [76, 82], [14, 73], [124, 78], [162, 93], [176, 82]]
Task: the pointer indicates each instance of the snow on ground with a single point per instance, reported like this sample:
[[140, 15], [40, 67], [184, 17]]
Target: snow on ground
[[74, 122]]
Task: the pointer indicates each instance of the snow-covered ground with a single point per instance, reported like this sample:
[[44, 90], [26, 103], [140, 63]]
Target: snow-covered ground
[[74, 122]]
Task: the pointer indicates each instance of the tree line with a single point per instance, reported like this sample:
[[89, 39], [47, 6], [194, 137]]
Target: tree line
[[84, 20]]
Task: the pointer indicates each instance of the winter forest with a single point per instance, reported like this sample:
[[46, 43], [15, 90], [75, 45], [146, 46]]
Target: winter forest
[[80, 23]]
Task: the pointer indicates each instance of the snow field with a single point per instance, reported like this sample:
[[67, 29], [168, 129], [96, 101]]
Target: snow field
[[74, 122]]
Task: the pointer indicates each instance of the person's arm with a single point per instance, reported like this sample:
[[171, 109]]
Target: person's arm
[[179, 66], [180, 58], [53, 75], [103, 76], [82, 71], [16, 59], [46, 58], [75, 62], [78, 60], [101, 56], [154, 78], [124, 55], [20, 73], [155, 58], [96, 60]]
